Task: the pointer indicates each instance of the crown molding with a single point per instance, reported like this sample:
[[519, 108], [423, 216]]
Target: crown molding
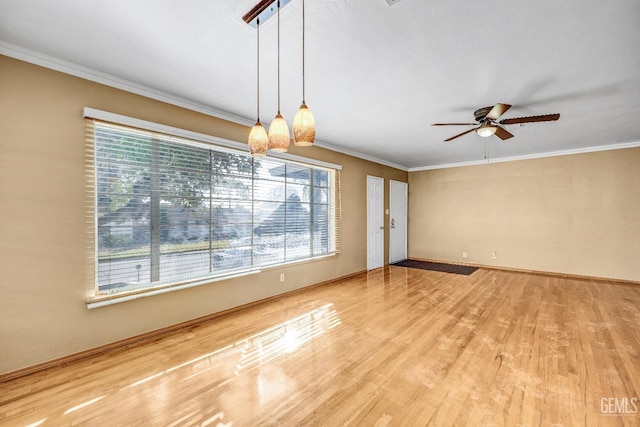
[[359, 155], [92, 75], [531, 156], [66, 67]]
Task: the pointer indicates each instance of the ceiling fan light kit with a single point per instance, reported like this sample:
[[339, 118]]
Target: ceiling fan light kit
[[486, 130], [488, 124]]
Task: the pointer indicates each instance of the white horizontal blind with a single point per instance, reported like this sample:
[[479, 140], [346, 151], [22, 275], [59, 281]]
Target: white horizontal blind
[[168, 210]]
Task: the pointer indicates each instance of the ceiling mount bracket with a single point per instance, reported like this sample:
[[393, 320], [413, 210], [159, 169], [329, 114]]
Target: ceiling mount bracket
[[264, 10]]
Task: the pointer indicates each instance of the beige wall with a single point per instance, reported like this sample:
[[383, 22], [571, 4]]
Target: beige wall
[[577, 214], [43, 240]]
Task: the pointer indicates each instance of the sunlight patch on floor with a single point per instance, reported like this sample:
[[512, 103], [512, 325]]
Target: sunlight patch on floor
[[83, 405]]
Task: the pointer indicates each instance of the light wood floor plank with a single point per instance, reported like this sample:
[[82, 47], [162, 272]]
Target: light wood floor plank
[[391, 347]]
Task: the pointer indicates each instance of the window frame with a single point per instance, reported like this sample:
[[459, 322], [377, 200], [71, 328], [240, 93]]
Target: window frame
[[202, 141]]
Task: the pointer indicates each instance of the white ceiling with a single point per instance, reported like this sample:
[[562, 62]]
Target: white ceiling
[[377, 75]]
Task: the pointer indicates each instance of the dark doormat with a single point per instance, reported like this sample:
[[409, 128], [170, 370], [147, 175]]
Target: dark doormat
[[437, 266]]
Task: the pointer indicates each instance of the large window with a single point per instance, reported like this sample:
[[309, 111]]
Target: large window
[[169, 210]]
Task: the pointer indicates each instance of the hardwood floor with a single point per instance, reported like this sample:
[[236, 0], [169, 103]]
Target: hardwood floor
[[395, 346]]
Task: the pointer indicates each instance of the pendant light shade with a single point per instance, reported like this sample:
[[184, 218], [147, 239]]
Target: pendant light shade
[[258, 140], [304, 127], [279, 135]]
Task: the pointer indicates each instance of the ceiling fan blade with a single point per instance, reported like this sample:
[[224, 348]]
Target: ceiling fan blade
[[531, 119], [502, 133], [454, 124], [460, 134], [497, 111]]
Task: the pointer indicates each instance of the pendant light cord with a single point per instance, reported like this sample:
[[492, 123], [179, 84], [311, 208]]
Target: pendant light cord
[[303, 85], [258, 62], [278, 56]]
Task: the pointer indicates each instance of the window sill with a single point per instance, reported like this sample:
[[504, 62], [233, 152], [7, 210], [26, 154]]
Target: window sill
[[104, 300], [101, 301], [298, 261]]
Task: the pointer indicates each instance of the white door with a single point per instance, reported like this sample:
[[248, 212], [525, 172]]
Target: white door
[[398, 192], [375, 222]]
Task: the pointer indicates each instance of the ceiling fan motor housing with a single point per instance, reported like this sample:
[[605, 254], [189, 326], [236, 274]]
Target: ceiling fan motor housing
[[481, 113]]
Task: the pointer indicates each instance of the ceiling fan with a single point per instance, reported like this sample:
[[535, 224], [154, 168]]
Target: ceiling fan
[[488, 124]]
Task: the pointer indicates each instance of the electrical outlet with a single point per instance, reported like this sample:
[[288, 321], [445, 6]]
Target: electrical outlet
[[494, 255], [464, 254], [282, 277]]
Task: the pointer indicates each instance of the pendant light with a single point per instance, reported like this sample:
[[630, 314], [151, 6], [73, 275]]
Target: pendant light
[[304, 125], [279, 130], [258, 140]]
